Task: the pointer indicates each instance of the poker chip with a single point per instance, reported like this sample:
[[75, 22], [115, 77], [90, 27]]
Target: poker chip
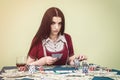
[[32, 69], [76, 63]]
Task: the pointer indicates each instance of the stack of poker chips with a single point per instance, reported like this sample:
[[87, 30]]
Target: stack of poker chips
[[31, 69], [85, 67], [76, 63]]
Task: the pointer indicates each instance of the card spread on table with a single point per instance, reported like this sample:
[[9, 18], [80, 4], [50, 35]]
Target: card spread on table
[[58, 55]]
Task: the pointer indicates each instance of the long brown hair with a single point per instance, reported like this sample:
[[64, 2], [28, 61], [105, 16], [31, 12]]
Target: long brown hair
[[44, 29]]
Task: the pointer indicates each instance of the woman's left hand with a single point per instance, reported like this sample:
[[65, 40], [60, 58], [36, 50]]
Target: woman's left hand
[[82, 57]]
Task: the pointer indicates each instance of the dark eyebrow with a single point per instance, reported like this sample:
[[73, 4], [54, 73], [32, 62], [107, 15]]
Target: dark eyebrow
[[52, 22], [60, 22]]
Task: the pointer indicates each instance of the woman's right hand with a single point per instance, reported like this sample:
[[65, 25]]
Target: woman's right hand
[[50, 60]]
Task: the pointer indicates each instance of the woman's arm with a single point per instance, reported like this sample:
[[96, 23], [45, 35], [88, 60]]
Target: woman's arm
[[31, 61], [70, 60], [42, 61]]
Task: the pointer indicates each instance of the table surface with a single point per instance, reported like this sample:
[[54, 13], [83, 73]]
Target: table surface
[[61, 75]]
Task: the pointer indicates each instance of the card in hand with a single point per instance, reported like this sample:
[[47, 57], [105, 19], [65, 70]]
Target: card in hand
[[58, 55]]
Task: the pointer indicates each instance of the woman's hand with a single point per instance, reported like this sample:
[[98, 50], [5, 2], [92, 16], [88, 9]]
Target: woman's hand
[[22, 68], [82, 57], [50, 60]]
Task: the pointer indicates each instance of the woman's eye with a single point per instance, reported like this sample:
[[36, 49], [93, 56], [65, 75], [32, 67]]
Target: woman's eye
[[60, 23], [52, 23]]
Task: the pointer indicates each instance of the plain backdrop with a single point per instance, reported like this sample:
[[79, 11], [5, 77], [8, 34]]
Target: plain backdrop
[[94, 26]]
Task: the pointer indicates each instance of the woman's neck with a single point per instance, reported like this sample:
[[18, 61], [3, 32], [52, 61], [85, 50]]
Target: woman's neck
[[53, 37]]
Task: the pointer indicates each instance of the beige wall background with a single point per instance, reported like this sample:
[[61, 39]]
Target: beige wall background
[[93, 24]]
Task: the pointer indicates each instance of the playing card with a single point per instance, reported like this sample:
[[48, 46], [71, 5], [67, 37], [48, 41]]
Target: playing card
[[58, 55]]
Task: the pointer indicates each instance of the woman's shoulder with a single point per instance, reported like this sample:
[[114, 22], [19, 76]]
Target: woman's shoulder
[[36, 42], [67, 35]]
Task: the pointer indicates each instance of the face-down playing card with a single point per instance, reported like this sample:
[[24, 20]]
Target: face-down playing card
[[57, 55]]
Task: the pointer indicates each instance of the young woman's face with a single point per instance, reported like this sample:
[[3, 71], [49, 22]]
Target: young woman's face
[[56, 25]]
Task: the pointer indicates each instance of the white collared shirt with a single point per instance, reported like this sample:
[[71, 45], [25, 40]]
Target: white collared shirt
[[56, 46]]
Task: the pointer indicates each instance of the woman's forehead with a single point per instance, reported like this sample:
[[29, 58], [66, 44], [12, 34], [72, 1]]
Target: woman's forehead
[[57, 19]]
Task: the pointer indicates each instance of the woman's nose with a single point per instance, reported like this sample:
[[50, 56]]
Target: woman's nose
[[56, 26]]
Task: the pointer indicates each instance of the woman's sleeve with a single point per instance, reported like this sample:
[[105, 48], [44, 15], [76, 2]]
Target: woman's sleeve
[[36, 50], [70, 45], [33, 52]]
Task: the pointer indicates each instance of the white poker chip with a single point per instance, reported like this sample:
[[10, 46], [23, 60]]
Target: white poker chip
[[32, 69]]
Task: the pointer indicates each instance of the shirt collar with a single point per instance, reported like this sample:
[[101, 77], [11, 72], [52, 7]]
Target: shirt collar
[[60, 38]]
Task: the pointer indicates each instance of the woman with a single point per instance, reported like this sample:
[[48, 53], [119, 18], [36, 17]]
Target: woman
[[50, 40]]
